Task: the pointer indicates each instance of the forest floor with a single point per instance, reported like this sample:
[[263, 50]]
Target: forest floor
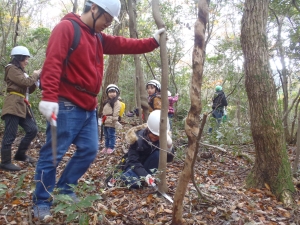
[[218, 174]]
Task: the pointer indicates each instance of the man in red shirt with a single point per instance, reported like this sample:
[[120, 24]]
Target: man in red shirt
[[70, 92]]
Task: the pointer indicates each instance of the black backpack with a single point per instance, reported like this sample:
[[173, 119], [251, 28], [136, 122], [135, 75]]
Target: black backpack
[[75, 42]]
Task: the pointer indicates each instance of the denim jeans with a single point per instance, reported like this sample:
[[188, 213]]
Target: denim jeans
[[110, 137], [217, 114], [170, 115], [74, 126], [151, 163]]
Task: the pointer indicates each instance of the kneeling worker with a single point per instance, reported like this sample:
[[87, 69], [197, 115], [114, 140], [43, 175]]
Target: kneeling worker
[[143, 154]]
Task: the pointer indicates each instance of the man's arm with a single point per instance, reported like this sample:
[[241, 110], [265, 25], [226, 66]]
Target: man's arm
[[133, 161]]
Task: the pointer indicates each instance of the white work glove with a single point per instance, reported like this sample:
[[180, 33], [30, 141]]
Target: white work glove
[[157, 34], [118, 125], [150, 180], [169, 141], [99, 122], [47, 108]]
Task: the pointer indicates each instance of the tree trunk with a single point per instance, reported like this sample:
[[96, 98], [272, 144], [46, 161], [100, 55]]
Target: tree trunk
[[271, 167], [283, 77], [19, 7], [193, 119], [114, 62], [75, 6], [162, 186], [141, 94], [296, 161]]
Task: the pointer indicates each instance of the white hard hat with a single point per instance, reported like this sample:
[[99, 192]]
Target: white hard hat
[[20, 50], [169, 94], [155, 83], [112, 87], [112, 7], [153, 122]]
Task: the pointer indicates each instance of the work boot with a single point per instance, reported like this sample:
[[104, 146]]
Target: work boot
[[9, 167], [42, 212], [24, 158], [6, 161]]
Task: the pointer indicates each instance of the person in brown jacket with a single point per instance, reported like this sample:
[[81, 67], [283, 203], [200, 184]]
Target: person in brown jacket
[[15, 109], [110, 116], [154, 98]]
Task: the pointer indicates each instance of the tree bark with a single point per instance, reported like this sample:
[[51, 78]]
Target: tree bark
[[296, 161], [271, 167], [162, 185], [283, 77], [111, 75], [193, 119], [19, 7], [75, 6], [141, 94]]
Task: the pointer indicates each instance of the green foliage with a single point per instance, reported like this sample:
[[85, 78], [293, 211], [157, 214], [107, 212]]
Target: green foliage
[[77, 211], [3, 189], [17, 192], [228, 133]]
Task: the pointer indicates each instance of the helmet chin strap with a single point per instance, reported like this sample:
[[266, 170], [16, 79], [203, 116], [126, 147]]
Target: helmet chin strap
[[94, 21]]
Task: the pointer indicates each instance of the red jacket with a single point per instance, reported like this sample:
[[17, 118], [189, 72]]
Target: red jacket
[[85, 66]]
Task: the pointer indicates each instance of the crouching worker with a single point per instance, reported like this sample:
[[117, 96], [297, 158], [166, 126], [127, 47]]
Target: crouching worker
[[143, 154]]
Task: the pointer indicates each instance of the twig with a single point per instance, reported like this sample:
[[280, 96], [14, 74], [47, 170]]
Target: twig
[[213, 146], [205, 197], [29, 215], [7, 214], [150, 143]]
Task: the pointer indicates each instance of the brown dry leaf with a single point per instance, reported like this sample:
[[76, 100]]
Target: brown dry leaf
[[269, 194], [168, 211], [214, 211], [150, 198], [111, 212], [267, 186], [151, 214], [210, 172], [16, 202]]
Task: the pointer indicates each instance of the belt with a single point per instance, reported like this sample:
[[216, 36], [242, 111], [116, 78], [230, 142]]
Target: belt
[[21, 95], [17, 93]]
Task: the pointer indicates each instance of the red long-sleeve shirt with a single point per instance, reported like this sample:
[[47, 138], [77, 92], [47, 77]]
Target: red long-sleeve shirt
[[85, 65]]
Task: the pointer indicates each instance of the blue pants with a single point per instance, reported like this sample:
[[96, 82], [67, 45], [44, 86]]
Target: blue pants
[[74, 126], [110, 137], [132, 179], [170, 115], [217, 114]]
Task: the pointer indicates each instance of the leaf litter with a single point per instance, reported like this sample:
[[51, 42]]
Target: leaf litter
[[218, 174]]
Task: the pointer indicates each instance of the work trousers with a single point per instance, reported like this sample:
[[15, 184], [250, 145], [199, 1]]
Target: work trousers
[[11, 129], [74, 126]]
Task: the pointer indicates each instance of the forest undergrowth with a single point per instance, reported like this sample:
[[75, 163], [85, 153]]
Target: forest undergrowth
[[218, 174]]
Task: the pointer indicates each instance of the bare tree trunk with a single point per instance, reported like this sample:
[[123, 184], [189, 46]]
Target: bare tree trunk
[[271, 167], [296, 161], [141, 94], [283, 77], [193, 119], [19, 7], [294, 119], [111, 75], [238, 105], [75, 6], [162, 186]]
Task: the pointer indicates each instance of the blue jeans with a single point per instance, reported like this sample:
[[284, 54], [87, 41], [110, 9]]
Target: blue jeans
[[217, 114], [74, 126], [170, 115], [131, 178], [110, 137]]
